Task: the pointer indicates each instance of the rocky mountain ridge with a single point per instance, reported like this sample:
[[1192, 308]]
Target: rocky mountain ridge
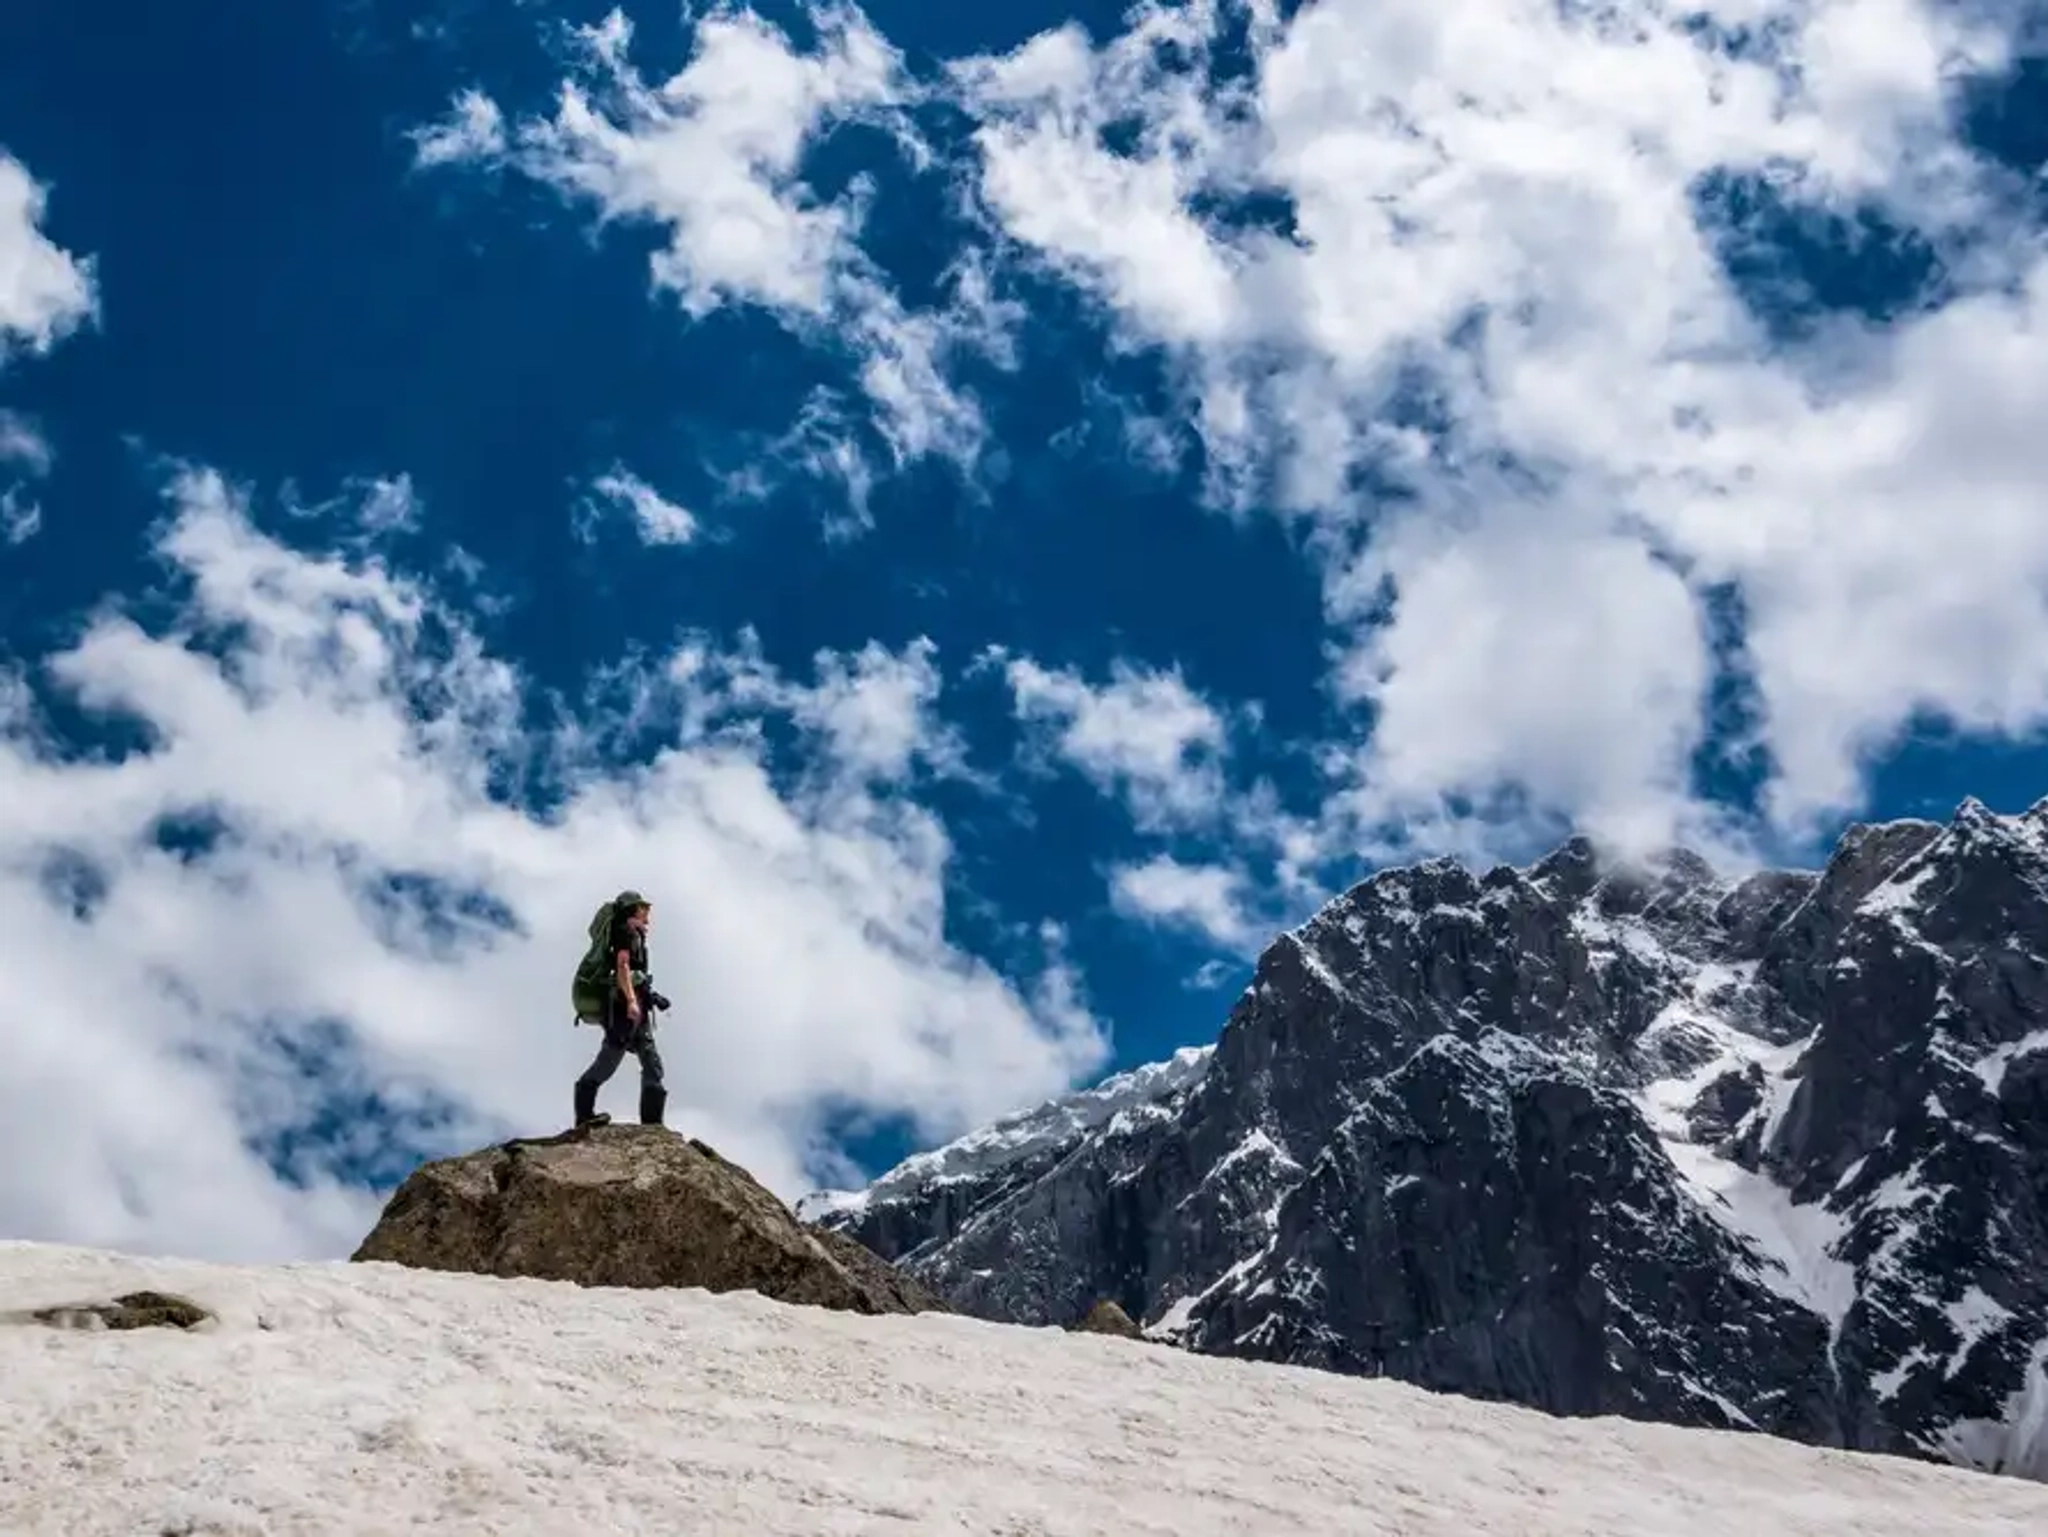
[[1768, 1153]]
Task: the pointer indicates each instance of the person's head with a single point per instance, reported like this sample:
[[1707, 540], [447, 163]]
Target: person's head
[[635, 909]]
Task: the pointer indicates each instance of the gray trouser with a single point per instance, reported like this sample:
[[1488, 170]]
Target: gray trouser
[[621, 1035]]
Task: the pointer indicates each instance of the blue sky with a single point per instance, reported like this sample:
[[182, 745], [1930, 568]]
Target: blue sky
[[985, 514]]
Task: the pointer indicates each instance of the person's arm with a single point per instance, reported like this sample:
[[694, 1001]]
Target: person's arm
[[622, 972]]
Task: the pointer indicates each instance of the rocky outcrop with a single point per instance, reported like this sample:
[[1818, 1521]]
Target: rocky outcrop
[[628, 1206], [1107, 1318], [1769, 1153], [132, 1310]]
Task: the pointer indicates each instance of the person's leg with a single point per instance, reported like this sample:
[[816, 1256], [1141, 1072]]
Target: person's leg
[[653, 1086], [609, 1055]]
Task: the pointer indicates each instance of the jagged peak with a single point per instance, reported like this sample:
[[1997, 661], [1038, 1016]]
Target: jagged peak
[[1974, 823], [1435, 870], [1573, 866], [1975, 820], [1391, 888], [1583, 856], [1689, 864], [1979, 834], [1576, 871], [1888, 844]]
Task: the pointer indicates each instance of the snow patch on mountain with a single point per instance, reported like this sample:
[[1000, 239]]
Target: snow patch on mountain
[[1791, 1246], [1992, 1067], [2015, 1442]]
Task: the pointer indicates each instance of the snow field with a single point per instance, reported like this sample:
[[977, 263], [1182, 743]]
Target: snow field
[[372, 1399]]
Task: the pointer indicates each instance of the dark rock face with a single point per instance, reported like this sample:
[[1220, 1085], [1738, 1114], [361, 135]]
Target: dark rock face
[[1767, 1154], [628, 1206], [1501, 1266]]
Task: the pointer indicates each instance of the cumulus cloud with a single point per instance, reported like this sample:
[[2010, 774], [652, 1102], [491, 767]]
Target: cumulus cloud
[[1118, 224], [1446, 279], [1486, 679], [1210, 900], [1451, 285], [319, 913], [45, 291], [1143, 735], [473, 130], [715, 156], [657, 519], [1449, 282], [871, 714]]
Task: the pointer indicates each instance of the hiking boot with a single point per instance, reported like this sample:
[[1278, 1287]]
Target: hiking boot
[[652, 1103], [587, 1113]]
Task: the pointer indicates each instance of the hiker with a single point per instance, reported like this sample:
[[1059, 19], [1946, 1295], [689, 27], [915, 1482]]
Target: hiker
[[613, 989]]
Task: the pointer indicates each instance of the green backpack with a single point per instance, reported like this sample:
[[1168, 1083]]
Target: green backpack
[[593, 982]]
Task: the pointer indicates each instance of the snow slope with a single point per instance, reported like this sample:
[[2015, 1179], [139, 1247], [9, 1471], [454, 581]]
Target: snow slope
[[358, 1399]]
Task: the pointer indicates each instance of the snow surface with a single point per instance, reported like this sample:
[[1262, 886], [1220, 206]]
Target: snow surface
[[368, 1398]]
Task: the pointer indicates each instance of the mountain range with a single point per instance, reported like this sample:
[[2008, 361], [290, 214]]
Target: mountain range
[[1592, 1136]]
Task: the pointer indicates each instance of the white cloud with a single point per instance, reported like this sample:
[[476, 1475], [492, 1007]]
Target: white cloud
[[1493, 213], [474, 129], [876, 710], [24, 447], [335, 730], [1209, 899], [45, 292], [1118, 223], [659, 520], [715, 156], [1144, 735], [20, 519], [1487, 679], [364, 511], [872, 714], [21, 444]]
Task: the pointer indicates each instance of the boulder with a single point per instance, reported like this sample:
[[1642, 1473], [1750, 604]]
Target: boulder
[[135, 1310], [1107, 1317], [627, 1205]]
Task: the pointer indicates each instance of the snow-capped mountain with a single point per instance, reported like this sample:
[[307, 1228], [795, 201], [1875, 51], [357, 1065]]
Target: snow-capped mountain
[[1768, 1153]]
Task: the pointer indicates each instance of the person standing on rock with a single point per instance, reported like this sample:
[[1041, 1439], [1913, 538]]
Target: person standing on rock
[[613, 989]]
